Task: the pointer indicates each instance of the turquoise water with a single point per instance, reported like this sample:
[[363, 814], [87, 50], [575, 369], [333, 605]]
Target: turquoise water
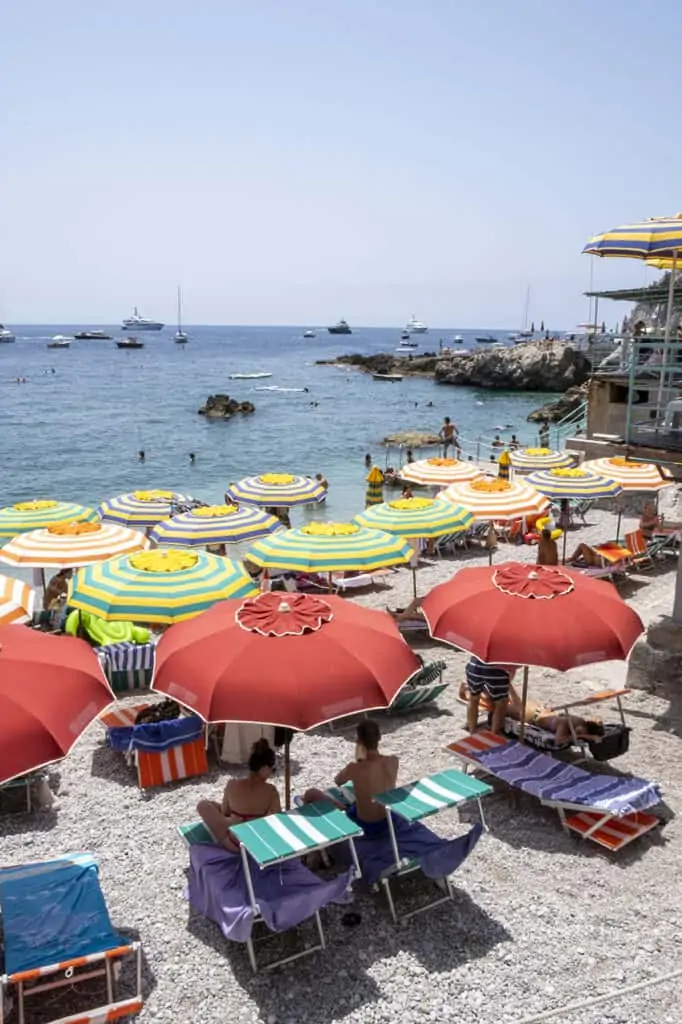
[[75, 434]]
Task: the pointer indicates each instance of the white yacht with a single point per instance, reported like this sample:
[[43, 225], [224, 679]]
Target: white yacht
[[414, 326], [6, 335], [138, 323]]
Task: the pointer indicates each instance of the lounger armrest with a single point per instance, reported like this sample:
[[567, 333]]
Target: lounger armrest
[[595, 698]]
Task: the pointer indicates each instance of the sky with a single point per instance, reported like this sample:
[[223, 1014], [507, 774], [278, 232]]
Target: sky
[[298, 161]]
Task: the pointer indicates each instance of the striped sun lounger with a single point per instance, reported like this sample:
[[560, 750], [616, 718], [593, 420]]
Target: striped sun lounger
[[271, 870], [128, 666], [426, 687], [162, 752], [608, 809], [57, 933]]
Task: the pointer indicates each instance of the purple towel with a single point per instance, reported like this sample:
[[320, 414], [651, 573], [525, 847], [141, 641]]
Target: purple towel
[[436, 857], [545, 777], [286, 893]]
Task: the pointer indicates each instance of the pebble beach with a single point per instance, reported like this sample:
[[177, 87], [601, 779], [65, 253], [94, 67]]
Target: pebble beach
[[540, 920]]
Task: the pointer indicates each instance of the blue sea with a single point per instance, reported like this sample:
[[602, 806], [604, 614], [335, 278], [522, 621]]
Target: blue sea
[[74, 434]]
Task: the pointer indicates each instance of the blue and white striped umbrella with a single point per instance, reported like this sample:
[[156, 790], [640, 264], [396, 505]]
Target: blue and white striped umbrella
[[141, 508], [574, 483], [216, 524], [277, 490]]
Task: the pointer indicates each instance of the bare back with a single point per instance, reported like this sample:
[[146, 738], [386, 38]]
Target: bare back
[[374, 775]]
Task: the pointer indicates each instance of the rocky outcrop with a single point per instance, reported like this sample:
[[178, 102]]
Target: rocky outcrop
[[384, 362], [412, 439], [222, 407], [534, 366], [655, 662], [568, 403]]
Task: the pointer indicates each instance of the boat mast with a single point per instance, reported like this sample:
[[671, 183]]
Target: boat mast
[[179, 311], [526, 309]]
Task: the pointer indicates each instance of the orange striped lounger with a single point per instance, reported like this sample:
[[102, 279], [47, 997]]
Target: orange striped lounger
[[163, 753]]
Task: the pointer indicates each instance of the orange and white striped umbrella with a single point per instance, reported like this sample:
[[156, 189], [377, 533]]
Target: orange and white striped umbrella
[[490, 498], [631, 475], [16, 601], [72, 545], [439, 471]]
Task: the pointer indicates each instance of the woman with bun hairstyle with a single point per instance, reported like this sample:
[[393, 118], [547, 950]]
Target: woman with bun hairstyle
[[243, 799]]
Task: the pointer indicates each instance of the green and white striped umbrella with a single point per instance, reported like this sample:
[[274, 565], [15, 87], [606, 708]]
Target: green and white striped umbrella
[[39, 514], [163, 586], [141, 508], [416, 517], [573, 483], [215, 524], [328, 547], [531, 460], [277, 490]]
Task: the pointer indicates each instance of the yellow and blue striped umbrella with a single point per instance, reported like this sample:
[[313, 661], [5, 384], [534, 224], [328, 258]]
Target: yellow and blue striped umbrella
[[532, 460], [658, 237], [277, 490], [39, 514], [163, 586], [141, 508], [328, 547], [215, 524], [416, 517], [574, 483]]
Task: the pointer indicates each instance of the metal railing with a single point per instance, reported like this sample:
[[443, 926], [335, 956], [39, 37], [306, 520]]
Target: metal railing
[[655, 369]]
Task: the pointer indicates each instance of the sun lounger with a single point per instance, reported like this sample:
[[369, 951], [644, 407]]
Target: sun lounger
[[408, 846], [57, 932], [423, 689], [609, 809], [128, 666], [267, 882], [161, 751]]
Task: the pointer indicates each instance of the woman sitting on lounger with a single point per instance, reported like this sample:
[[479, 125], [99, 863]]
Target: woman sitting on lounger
[[564, 726], [243, 799]]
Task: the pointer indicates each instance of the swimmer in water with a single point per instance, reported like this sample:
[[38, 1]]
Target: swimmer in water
[[140, 456], [192, 458]]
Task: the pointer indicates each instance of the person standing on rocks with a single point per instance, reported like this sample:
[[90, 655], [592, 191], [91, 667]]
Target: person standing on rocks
[[449, 436]]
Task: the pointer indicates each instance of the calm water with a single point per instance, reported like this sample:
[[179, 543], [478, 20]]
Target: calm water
[[74, 434]]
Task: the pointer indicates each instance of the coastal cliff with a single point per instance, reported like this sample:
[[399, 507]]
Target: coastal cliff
[[533, 366]]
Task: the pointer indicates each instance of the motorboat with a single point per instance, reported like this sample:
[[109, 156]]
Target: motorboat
[[392, 377], [310, 334], [275, 387], [249, 376], [180, 336], [138, 323], [486, 339], [6, 336], [92, 336], [457, 340], [130, 343], [59, 341], [340, 328], [414, 326]]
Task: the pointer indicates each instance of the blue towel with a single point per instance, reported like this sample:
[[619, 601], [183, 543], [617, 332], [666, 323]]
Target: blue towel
[[155, 737]]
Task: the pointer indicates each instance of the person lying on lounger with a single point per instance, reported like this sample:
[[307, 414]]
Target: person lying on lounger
[[564, 726], [411, 612], [243, 799], [585, 555], [370, 773]]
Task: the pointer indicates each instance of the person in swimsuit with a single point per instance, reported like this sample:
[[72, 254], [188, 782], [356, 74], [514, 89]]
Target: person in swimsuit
[[370, 773], [243, 799], [448, 435], [411, 611], [548, 553], [649, 521], [495, 681], [563, 726]]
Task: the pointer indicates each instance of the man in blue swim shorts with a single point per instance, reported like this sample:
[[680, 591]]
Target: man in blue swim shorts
[[495, 681]]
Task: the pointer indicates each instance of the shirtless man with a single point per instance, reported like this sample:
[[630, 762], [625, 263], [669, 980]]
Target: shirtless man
[[370, 773], [448, 435]]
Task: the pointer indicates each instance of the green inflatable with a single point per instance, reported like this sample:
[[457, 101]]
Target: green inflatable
[[100, 632]]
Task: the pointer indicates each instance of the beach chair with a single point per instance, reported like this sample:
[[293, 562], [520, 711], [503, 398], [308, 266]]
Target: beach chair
[[642, 552], [448, 542], [408, 846], [609, 810], [57, 933], [581, 507], [26, 783], [128, 667], [161, 751], [266, 882], [423, 689]]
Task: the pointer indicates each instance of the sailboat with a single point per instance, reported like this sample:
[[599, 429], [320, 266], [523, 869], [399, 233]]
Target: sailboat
[[180, 336], [524, 334]]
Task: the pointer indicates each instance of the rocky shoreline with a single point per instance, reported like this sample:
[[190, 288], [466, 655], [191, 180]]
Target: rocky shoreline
[[547, 365]]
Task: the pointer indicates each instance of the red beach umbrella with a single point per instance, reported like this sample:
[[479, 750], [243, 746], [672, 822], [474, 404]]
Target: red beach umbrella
[[51, 688], [291, 660], [532, 615]]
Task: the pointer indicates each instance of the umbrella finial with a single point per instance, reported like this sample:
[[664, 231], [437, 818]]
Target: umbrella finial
[[284, 607], [532, 575]]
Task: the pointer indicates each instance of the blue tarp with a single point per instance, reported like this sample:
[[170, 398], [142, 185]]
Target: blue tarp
[[155, 737], [54, 914]]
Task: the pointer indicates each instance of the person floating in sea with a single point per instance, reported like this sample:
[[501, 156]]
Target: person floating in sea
[[322, 480], [141, 455], [514, 443], [368, 461], [409, 457], [192, 458], [497, 442]]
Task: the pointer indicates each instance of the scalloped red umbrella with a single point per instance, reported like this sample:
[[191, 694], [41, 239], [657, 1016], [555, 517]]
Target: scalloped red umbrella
[[292, 660], [532, 615], [51, 688]]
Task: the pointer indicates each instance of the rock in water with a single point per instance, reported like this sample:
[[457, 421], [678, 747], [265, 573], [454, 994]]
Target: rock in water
[[533, 366], [222, 407], [566, 404]]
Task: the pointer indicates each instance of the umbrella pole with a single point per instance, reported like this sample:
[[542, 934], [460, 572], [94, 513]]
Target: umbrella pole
[[620, 516], [524, 698], [414, 584], [287, 776], [331, 583], [563, 557]]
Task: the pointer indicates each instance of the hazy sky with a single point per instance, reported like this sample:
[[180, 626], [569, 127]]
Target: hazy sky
[[295, 161]]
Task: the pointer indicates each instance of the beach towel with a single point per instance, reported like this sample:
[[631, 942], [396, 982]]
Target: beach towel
[[555, 781], [156, 737], [286, 893]]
